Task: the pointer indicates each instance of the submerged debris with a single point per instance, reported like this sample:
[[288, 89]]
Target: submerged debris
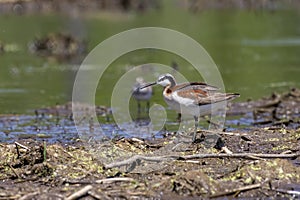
[[65, 110], [58, 45], [4, 47], [276, 111]]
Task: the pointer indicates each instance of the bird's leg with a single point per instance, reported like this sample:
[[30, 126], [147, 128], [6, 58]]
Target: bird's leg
[[178, 117], [148, 106], [196, 127], [216, 125], [139, 107]]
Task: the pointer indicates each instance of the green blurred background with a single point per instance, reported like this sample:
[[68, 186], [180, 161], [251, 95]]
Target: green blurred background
[[257, 48]]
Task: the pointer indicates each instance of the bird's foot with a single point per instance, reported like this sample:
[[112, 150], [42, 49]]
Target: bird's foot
[[198, 140]]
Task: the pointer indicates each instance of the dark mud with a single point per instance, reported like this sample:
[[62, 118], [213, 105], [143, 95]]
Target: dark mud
[[265, 161]]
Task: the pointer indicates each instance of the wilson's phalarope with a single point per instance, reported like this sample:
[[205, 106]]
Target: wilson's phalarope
[[193, 98], [141, 94]]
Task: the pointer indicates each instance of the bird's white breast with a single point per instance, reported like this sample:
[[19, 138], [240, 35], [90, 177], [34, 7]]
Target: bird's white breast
[[186, 105]]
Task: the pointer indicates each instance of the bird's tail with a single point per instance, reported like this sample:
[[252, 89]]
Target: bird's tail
[[231, 96]]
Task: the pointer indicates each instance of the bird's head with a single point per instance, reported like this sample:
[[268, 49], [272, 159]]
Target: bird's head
[[166, 80], [163, 80]]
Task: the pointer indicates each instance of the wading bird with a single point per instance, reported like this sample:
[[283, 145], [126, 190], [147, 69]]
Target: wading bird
[[141, 94], [192, 98]]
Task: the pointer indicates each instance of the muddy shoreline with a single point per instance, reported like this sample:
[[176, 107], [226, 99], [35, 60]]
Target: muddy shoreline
[[265, 162]]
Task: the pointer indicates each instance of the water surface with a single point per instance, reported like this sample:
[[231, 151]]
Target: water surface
[[257, 53]]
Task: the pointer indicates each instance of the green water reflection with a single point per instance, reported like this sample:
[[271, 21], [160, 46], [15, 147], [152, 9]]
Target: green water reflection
[[257, 52]]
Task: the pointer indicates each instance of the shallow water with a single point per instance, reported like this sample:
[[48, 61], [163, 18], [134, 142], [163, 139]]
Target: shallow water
[[55, 129], [257, 53], [63, 130]]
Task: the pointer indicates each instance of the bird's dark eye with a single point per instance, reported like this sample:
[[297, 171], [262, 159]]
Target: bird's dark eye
[[161, 79]]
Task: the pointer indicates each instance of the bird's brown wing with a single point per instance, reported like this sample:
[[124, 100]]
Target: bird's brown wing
[[194, 90], [202, 93], [194, 86], [215, 97]]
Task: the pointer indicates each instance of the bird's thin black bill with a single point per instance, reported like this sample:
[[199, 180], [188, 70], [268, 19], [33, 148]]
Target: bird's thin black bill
[[147, 85]]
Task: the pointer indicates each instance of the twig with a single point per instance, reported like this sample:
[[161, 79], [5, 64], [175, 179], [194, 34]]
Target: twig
[[55, 196], [21, 145], [190, 161], [26, 180], [111, 180], [226, 150], [286, 152], [95, 196], [262, 122], [80, 193], [137, 140], [241, 189], [138, 158], [17, 147], [18, 152], [68, 153], [101, 181], [240, 155], [255, 157], [14, 171], [45, 152], [10, 197], [292, 192], [224, 133], [28, 196], [78, 182]]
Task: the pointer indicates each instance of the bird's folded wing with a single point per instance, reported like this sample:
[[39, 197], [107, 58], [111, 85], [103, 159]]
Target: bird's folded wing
[[195, 86], [215, 97]]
